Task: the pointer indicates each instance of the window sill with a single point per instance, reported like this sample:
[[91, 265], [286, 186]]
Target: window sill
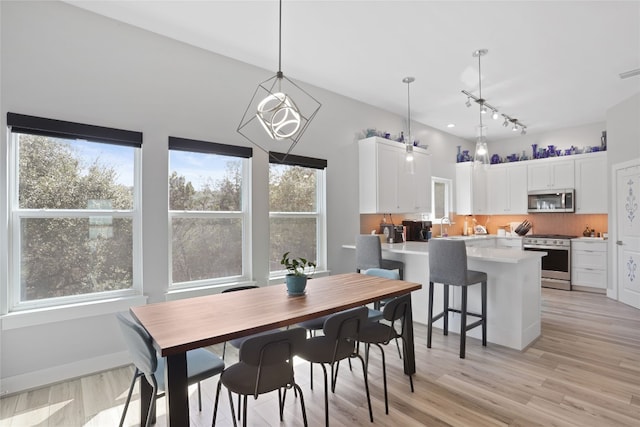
[[40, 316]]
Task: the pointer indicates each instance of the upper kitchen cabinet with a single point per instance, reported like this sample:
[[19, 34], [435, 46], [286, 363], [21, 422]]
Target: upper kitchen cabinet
[[506, 184], [385, 184], [471, 189], [591, 183], [550, 174]]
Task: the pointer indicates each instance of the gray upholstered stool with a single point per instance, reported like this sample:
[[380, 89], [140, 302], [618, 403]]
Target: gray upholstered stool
[[448, 265], [369, 255]]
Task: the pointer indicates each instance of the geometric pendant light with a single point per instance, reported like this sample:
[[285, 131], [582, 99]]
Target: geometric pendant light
[[279, 111]]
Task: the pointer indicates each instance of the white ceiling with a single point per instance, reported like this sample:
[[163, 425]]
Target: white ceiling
[[551, 64]]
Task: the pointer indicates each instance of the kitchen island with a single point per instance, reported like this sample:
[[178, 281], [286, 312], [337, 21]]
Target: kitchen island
[[513, 290]]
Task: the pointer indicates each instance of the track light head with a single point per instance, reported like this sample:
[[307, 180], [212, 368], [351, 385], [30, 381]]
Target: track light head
[[495, 115], [468, 103]]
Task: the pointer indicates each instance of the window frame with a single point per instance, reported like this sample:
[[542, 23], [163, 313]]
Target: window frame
[[23, 124], [321, 207], [448, 185], [245, 155]]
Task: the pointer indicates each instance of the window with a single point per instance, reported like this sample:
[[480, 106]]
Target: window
[[208, 211], [296, 210], [441, 198], [74, 212]]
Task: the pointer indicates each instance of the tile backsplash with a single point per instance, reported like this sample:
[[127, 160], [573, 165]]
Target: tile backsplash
[[543, 223]]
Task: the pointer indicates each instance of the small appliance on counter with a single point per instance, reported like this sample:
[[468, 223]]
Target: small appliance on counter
[[393, 233], [417, 231]]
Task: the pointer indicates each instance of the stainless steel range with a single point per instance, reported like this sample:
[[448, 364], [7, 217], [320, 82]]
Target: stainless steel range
[[556, 266]]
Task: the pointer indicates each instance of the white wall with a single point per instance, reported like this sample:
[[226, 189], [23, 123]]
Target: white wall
[[61, 62]]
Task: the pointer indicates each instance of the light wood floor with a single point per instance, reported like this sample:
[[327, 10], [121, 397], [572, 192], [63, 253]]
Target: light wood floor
[[583, 371]]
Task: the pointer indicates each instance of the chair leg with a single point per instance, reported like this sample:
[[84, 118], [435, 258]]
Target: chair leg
[[215, 404], [224, 349], [430, 315], [298, 390], [463, 322], [484, 313], [136, 374], [326, 396], [199, 397], [366, 386], [244, 411], [152, 407], [446, 310], [384, 379], [281, 403]]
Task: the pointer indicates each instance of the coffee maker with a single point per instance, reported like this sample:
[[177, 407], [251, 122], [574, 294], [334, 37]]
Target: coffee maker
[[417, 231], [393, 233]]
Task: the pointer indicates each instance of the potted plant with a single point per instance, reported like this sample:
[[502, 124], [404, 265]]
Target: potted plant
[[296, 279]]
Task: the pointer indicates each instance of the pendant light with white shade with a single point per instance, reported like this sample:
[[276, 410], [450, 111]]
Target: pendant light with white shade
[[408, 139], [482, 151]]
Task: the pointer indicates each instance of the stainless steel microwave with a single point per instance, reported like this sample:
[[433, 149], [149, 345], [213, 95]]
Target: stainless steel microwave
[[551, 201]]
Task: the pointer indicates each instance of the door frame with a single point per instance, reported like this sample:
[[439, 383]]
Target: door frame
[[612, 290]]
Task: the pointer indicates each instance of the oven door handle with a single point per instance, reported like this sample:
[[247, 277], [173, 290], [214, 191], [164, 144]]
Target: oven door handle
[[559, 248]]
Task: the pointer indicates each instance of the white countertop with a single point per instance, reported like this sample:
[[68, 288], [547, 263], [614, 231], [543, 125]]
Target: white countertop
[[590, 239], [505, 255]]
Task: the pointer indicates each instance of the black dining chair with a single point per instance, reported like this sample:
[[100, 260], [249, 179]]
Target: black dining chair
[[201, 364], [378, 334], [339, 342], [265, 365]]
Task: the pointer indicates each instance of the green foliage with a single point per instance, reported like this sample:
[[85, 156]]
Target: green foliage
[[62, 256], [296, 266]]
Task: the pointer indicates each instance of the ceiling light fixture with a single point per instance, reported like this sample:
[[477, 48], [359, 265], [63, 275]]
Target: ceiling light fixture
[[485, 107], [482, 151], [408, 139], [515, 123], [273, 106]]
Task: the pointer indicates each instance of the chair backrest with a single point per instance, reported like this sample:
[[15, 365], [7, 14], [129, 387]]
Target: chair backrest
[[381, 272], [397, 309], [368, 251], [345, 325], [239, 288], [139, 344], [447, 261], [272, 348]]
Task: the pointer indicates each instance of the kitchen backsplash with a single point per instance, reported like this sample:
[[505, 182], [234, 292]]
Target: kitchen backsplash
[[543, 223]]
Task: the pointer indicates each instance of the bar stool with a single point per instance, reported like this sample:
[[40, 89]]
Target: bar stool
[[448, 265], [369, 255]]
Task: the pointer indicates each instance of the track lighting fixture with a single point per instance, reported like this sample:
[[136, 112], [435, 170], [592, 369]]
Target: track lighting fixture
[[485, 107], [515, 123]]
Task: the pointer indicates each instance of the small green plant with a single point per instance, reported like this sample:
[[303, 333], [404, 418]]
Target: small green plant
[[296, 266]]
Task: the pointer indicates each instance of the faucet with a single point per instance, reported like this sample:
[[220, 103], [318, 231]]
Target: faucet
[[443, 220]]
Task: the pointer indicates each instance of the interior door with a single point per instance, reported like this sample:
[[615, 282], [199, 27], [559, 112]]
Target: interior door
[[628, 234]]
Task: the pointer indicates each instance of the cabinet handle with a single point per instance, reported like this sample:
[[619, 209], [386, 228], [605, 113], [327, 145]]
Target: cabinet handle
[[619, 242]]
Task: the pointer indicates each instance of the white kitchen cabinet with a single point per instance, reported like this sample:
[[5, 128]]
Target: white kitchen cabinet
[[591, 183], [507, 189], [385, 185], [589, 265], [550, 174], [471, 189]]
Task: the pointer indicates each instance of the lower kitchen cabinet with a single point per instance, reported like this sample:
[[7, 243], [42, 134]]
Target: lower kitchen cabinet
[[589, 265]]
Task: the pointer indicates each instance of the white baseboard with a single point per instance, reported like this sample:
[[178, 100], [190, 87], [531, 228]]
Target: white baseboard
[[43, 377]]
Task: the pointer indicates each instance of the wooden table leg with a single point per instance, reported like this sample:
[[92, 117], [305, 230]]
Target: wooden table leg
[[177, 393], [409, 356]]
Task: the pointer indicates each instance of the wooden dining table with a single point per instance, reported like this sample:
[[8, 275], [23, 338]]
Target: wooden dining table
[[179, 326]]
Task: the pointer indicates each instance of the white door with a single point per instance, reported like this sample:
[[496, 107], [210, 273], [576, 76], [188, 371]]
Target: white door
[[627, 245]]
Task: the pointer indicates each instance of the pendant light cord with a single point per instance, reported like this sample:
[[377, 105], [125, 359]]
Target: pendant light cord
[[409, 112], [280, 41], [480, 91]]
